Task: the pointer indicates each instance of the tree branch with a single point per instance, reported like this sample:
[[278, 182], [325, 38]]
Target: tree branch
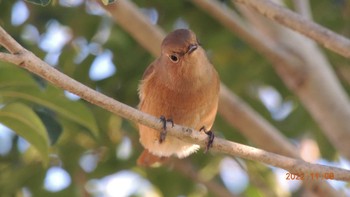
[[35, 65], [12, 47], [334, 42], [7, 57]]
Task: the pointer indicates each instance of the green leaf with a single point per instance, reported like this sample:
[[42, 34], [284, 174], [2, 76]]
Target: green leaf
[[55, 100], [22, 120], [17, 83], [13, 177], [39, 2], [53, 127], [106, 2], [11, 76]]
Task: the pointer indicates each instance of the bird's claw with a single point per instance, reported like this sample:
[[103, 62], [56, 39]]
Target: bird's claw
[[211, 137], [164, 131]]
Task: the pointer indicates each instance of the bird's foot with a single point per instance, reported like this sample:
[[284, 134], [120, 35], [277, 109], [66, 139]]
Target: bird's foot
[[164, 131], [211, 137]]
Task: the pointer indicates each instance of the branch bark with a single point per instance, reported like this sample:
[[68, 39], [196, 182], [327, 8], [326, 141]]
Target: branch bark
[[32, 63]]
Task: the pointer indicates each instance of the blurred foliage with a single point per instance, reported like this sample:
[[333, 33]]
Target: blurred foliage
[[39, 2], [61, 131], [46, 2]]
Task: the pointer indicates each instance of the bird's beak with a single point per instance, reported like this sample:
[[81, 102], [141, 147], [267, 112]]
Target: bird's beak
[[192, 48]]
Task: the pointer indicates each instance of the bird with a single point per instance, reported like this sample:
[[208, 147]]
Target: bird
[[181, 86]]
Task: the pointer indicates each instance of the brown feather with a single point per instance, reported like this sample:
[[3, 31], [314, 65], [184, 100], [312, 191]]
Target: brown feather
[[147, 159]]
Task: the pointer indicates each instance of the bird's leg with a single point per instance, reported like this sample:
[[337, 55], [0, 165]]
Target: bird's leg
[[211, 137], [164, 131]]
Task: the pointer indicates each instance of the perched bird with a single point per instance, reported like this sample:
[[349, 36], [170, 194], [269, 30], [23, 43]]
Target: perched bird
[[183, 86]]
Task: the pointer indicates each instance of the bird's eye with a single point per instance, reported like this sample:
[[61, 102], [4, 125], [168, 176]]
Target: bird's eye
[[174, 58]]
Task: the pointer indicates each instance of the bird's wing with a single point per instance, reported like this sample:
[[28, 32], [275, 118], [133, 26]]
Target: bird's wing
[[147, 75], [148, 72]]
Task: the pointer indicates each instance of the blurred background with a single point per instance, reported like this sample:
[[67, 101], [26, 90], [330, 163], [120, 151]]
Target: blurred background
[[55, 144]]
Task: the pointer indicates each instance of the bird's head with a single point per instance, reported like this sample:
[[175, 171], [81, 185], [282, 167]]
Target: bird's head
[[179, 46]]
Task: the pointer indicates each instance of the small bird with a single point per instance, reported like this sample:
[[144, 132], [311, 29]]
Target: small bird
[[180, 86]]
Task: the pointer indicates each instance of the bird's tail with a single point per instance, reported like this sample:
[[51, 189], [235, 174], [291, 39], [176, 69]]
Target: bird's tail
[[147, 159]]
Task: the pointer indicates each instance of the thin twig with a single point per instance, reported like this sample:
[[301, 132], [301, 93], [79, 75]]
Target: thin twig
[[333, 41], [11, 47], [7, 57]]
